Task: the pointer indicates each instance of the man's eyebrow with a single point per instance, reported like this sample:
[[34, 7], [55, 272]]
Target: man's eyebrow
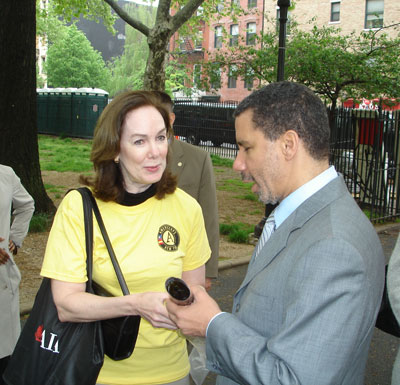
[[242, 143]]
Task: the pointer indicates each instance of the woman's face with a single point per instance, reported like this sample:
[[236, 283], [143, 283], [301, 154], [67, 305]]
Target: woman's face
[[143, 148]]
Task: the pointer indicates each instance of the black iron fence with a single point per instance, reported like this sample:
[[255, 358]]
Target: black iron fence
[[208, 124], [364, 148]]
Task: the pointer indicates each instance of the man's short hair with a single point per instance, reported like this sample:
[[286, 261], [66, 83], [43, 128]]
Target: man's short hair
[[282, 106], [165, 100]]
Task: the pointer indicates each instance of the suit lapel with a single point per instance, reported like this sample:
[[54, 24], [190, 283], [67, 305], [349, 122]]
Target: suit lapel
[[279, 239]]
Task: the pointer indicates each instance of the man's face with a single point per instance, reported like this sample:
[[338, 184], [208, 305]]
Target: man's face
[[259, 160]]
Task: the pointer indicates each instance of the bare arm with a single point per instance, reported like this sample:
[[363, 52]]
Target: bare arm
[[75, 305], [195, 277]]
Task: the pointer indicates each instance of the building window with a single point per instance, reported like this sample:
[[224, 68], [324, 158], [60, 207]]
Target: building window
[[232, 76], [251, 4], [198, 43], [235, 3], [251, 34], [183, 44], [249, 78], [335, 11], [374, 14], [215, 78], [234, 39], [196, 75], [220, 7], [218, 37]]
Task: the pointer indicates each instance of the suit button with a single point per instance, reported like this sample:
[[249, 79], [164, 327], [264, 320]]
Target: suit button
[[237, 308]]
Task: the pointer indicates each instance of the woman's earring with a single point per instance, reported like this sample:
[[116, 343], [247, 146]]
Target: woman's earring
[[116, 160]]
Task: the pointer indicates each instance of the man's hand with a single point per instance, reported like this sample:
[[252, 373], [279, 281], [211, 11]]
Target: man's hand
[[13, 247], [4, 257], [194, 319]]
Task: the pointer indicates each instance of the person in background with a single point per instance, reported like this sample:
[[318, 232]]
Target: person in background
[[16, 208], [306, 310], [156, 230], [193, 167]]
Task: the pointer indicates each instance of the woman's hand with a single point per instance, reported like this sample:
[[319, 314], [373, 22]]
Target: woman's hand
[[151, 306], [75, 305]]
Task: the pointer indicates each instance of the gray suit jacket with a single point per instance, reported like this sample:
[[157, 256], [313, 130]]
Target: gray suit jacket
[[306, 310], [192, 165]]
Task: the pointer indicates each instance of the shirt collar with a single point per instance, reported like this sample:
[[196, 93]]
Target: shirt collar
[[297, 197]]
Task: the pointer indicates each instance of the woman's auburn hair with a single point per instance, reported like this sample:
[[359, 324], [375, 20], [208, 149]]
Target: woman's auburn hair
[[107, 183]]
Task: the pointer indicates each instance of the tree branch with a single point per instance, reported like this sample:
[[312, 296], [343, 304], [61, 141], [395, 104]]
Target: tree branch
[[128, 19], [185, 13]]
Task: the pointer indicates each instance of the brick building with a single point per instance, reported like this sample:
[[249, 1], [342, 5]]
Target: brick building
[[349, 15]]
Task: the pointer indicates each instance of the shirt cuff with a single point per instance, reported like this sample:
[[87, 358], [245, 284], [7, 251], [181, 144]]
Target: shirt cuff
[[212, 319]]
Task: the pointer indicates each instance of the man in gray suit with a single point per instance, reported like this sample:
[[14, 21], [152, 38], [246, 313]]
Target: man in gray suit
[[306, 310]]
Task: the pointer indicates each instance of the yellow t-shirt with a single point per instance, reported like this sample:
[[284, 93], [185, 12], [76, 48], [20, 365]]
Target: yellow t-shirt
[[154, 240]]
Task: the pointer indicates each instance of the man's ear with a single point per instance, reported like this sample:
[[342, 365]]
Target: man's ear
[[171, 118], [290, 144]]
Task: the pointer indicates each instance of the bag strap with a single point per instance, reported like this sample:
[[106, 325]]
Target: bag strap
[[93, 205], [88, 220]]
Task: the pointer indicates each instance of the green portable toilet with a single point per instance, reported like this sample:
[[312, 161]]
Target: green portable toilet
[[87, 105], [69, 111]]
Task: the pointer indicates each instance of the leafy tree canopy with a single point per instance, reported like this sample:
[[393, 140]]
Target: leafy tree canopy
[[333, 64], [73, 62], [157, 35]]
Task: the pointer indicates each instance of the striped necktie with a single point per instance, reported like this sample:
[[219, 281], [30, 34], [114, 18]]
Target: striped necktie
[[269, 228]]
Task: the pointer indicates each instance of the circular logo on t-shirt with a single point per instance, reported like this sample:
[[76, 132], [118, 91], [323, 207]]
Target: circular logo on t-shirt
[[168, 238]]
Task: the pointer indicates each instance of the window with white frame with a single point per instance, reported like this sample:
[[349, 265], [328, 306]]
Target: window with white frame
[[251, 34], [215, 77], [335, 11], [198, 42], [196, 75], [249, 78], [234, 37], [374, 14], [218, 37], [232, 76], [251, 4], [220, 7]]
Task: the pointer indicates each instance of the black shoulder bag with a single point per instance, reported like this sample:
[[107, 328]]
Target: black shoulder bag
[[386, 320], [50, 352], [120, 334]]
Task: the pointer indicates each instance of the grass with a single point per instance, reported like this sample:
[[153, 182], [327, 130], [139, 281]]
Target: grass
[[237, 186], [64, 154], [39, 223], [237, 232], [222, 162]]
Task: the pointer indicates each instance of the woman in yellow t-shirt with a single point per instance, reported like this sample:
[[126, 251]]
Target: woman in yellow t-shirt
[[156, 230]]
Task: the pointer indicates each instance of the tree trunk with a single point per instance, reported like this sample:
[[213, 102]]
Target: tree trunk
[[18, 127], [154, 77]]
